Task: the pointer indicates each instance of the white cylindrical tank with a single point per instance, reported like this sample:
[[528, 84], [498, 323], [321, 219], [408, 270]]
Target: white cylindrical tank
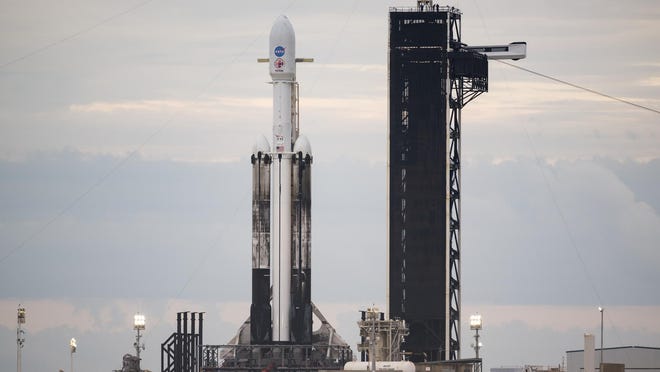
[[282, 59], [589, 353], [403, 366], [281, 247], [282, 118]]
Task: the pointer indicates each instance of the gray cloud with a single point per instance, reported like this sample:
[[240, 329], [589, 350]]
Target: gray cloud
[[182, 231], [640, 177], [177, 216], [557, 242], [148, 214]]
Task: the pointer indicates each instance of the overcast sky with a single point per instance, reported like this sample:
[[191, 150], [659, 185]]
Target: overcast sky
[[125, 136]]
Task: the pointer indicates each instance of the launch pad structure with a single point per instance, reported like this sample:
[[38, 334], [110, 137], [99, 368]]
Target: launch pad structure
[[432, 76], [326, 351], [278, 333], [380, 338]]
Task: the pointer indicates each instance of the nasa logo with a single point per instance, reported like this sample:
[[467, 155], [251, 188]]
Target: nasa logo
[[279, 51], [279, 63]]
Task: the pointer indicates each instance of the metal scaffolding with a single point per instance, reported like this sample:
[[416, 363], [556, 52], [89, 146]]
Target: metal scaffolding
[[379, 337], [182, 351]]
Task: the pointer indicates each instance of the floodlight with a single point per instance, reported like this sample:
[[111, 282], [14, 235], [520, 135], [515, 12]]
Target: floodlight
[[475, 325], [475, 322], [21, 315], [138, 325], [139, 322]]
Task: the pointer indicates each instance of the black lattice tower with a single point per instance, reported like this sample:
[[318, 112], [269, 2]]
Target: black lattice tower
[[431, 78]]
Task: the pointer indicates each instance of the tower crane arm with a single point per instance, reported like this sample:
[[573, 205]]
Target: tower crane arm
[[514, 51]]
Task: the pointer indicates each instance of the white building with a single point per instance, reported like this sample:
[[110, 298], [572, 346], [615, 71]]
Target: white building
[[526, 368], [635, 358]]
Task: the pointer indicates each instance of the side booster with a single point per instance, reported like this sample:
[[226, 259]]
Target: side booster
[[281, 210]]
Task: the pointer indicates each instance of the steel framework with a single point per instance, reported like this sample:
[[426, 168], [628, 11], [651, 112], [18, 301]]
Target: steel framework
[[432, 77], [326, 350], [380, 336], [282, 357], [182, 351], [468, 76]]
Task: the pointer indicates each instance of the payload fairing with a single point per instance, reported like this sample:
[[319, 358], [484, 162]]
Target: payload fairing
[[281, 210]]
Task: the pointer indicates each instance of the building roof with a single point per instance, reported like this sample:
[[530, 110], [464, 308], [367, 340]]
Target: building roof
[[618, 348]]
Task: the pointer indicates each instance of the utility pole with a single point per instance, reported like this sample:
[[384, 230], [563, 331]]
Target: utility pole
[[372, 344], [601, 309]]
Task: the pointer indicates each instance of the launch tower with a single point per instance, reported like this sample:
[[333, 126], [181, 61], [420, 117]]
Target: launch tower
[[432, 76]]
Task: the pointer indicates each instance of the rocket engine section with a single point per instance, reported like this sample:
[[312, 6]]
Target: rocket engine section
[[301, 247], [260, 329]]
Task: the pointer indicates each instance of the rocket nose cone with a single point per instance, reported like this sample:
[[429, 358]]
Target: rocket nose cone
[[260, 145], [282, 44], [282, 29], [282, 21], [302, 145]]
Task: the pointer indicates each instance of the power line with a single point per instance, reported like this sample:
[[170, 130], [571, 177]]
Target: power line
[[555, 201], [121, 162], [581, 87], [75, 34], [333, 49], [204, 257], [71, 204], [546, 182], [563, 219]]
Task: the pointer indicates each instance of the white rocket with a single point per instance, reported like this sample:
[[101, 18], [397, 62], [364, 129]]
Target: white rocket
[[283, 72], [283, 243]]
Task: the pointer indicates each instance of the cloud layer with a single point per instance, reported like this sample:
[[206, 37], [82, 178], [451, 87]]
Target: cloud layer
[[125, 181]]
